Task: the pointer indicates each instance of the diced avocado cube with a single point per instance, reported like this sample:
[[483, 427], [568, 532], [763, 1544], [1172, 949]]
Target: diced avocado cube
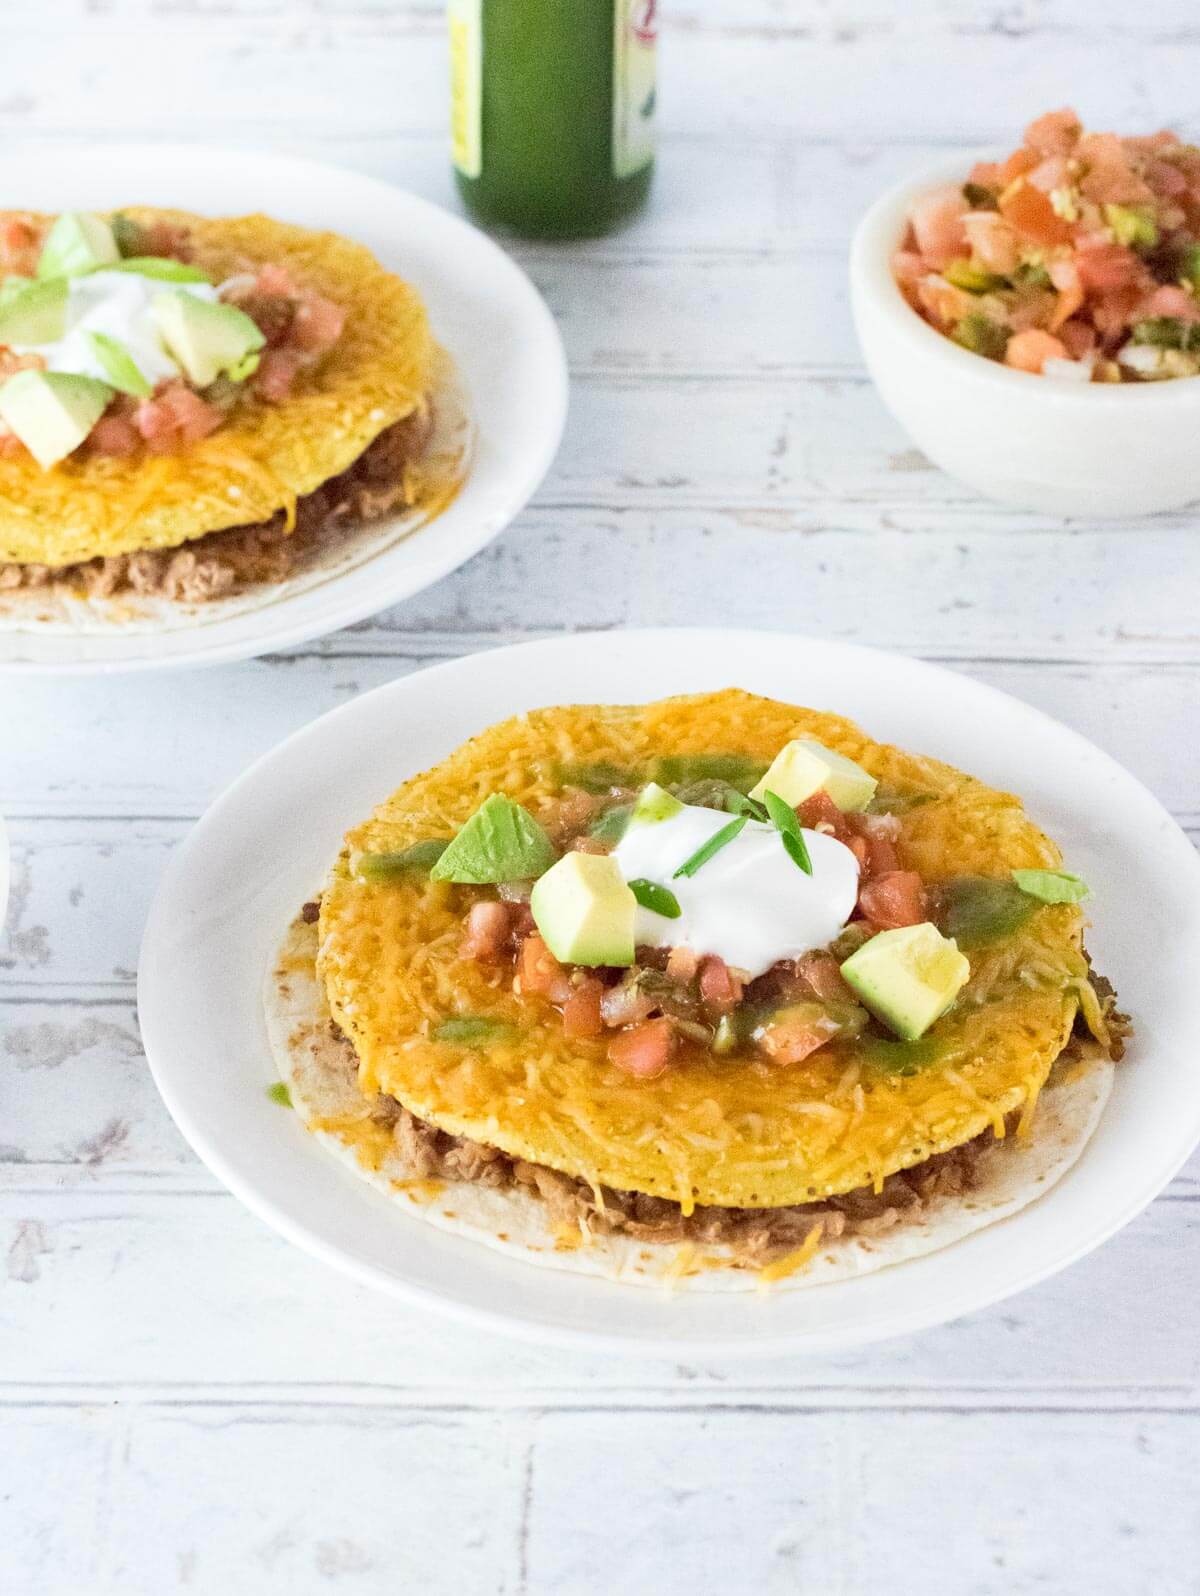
[[500, 842], [34, 314], [585, 911], [206, 339], [77, 243], [654, 803], [52, 412], [907, 978], [805, 766]]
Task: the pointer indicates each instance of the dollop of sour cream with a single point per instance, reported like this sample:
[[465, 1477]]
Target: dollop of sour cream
[[750, 903], [117, 304]]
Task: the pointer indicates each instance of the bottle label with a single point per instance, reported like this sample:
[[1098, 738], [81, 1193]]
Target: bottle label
[[466, 85], [635, 37]]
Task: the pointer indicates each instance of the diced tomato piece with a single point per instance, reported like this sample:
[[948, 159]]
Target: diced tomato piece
[[20, 246], [275, 280], [1079, 338], [581, 1012], [1032, 216], [274, 378], [790, 1039], [317, 324], [820, 813], [1070, 291], [943, 301], [1174, 302], [114, 435], [539, 972], [720, 989], [893, 900], [1102, 265], [937, 223], [488, 928], [645, 1051], [1030, 350], [992, 241], [1017, 164], [682, 964], [161, 238], [1055, 133], [909, 266]]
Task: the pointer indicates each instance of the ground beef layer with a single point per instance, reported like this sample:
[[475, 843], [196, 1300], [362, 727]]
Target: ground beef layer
[[755, 1236], [223, 563]]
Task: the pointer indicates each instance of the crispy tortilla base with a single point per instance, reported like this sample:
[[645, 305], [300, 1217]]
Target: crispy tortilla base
[[707, 1132], [1009, 1175], [265, 456]]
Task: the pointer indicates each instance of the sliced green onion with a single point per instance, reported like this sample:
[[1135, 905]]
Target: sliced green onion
[[738, 804], [278, 1093], [787, 823], [471, 1028], [120, 369], [1051, 886], [659, 899], [714, 845]]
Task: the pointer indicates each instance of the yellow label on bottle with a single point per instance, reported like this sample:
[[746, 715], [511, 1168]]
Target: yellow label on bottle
[[635, 40], [466, 85]]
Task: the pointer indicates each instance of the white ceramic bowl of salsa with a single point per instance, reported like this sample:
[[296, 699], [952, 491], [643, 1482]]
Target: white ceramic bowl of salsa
[[1036, 442]]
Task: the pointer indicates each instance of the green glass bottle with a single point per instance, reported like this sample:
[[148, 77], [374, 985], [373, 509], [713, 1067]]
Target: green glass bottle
[[552, 111]]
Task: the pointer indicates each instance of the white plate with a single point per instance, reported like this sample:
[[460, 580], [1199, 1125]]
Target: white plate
[[483, 309], [266, 844]]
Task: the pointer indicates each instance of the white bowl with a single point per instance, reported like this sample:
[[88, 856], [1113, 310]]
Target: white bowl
[[1040, 443]]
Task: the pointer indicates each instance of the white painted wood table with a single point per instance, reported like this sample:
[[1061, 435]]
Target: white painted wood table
[[190, 1404]]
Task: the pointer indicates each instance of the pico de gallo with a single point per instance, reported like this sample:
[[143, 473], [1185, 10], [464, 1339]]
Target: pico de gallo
[[1076, 257]]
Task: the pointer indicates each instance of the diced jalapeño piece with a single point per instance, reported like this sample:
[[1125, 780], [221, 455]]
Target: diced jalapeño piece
[[981, 336]]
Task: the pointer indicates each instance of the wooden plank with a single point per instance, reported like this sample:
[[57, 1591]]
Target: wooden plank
[[388, 73], [167, 1284], [266, 1501], [211, 725], [944, 1504]]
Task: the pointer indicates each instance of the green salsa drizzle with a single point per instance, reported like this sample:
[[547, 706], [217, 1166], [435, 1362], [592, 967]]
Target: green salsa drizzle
[[468, 1029], [417, 860], [977, 910]]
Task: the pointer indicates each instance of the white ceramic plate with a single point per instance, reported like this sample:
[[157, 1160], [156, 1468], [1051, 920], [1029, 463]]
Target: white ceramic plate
[[483, 309], [264, 847]]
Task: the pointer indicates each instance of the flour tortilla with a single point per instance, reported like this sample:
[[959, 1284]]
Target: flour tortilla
[[312, 1062], [446, 460]]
